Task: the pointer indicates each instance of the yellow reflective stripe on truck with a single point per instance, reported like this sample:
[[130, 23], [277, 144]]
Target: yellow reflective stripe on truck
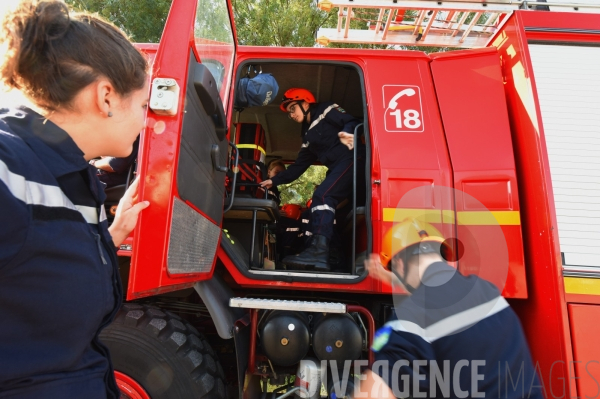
[[490, 217], [481, 218], [582, 285]]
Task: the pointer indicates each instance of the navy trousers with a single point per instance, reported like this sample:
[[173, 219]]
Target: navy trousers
[[336, 187]]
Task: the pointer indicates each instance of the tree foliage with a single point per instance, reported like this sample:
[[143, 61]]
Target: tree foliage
[[212, 21], [277, 22], [142, 20], [258, 22], [296, 22], [301, 190]]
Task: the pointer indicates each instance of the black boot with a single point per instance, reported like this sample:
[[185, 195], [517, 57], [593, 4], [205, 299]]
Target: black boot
[[313, 257]]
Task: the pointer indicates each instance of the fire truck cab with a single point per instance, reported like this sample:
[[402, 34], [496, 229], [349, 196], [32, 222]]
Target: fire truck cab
[[493, 143]]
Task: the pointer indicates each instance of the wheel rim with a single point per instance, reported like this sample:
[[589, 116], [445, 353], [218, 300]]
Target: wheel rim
[[130, 387]]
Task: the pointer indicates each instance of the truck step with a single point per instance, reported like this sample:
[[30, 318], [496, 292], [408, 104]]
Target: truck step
[[281, 304]]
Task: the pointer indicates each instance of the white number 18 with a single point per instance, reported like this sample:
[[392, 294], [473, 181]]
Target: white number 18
[[411, 119]]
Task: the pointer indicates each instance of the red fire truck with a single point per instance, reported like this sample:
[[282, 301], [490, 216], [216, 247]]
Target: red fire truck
[[495, 143]]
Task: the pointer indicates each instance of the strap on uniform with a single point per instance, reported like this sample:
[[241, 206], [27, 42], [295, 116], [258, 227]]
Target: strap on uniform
[[322, 116]]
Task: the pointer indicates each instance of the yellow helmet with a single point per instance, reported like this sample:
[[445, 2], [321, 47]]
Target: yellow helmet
[[407, 233]]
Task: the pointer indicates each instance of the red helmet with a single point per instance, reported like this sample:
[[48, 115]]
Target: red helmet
[[296, 94], [292, 211]]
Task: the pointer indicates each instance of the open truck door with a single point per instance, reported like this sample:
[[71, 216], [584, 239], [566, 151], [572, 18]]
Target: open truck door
[[183, 151]]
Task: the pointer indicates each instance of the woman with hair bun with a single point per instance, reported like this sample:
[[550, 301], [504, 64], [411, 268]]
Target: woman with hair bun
[[87, 91]]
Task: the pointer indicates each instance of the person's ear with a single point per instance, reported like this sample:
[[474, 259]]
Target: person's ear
[[106, 97]]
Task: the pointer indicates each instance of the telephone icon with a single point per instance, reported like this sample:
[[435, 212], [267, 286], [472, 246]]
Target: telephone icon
[[406, 92]]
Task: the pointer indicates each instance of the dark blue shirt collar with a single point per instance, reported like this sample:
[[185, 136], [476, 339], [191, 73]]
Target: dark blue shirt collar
[[51, 144], [438, 272]]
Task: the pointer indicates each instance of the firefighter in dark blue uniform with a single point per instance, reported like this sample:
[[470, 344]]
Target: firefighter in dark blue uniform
[[321, 125], [59, 281], [454, 336], [114, 171]]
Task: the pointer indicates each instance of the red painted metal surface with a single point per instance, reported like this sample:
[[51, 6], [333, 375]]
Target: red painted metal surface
[[232, 21], [585, 331], [414, 166], [411, 161], [561, 27], [471, 98], [582, 298], [544, 313], [568, 21], [157, 164], [130, 387]]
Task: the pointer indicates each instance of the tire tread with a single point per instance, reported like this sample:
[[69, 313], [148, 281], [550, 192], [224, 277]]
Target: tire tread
[[180, 339]]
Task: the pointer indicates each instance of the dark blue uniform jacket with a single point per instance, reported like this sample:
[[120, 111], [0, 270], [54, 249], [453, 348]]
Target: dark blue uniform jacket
[[457, 338], [59, 284], [321, 142]]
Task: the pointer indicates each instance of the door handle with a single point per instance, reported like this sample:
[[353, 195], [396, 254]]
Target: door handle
[[214, 154]]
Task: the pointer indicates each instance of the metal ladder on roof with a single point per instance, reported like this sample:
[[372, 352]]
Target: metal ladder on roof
[[459, 24]]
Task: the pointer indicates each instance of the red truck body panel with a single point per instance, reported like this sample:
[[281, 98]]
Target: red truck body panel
[[478, 170], [157, 163], [544, 314], [485, 178]]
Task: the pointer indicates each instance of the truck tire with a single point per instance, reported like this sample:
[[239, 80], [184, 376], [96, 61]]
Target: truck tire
[[156, 354]]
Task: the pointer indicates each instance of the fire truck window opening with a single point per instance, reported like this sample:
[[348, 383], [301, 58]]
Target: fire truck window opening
[[341, 83], [217, 69], [215, 42]]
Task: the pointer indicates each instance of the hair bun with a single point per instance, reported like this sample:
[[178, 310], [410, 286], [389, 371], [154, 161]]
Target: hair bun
[[51, 54], [49, 21], [25, 32]]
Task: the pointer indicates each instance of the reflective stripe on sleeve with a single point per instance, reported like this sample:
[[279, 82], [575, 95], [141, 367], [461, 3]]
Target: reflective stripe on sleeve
[[102, 214], [453, 323], [322, 208], [33, 193], [89, 213]]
